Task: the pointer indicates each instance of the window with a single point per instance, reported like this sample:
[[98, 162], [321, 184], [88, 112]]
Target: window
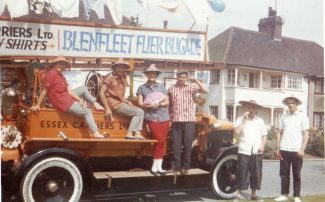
[[214, 110], [230, 113], [215, 76], [319, 86], [276, 81], [253, 80], [231, 76], [318, 120], [277, 114], [294, 82]]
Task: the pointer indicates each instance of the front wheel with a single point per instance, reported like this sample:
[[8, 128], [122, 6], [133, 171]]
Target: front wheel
[[224, 177], [52, 179]]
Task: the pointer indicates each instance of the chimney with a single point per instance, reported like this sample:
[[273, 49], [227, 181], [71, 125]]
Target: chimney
[[165, 24], [272, 25]]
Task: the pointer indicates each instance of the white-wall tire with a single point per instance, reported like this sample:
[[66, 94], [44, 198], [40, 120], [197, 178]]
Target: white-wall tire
[[52, 179], [224, 177]]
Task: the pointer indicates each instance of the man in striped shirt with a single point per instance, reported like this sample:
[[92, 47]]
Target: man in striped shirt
[[182, 111]]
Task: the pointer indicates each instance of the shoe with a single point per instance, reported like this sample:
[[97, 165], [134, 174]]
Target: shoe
[[256, 198], [281, 198], [97, 135], [153, 173], [239, 197], [184, 171], [98, 107], [297, 199], [162, 173], [139, 137]]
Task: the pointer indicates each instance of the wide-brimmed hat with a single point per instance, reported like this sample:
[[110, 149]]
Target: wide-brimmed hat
[[250, 102], [284, 101], [60, 59], [152, 68], [121, 63]]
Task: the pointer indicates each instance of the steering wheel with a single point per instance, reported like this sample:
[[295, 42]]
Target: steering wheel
[[93, 83]]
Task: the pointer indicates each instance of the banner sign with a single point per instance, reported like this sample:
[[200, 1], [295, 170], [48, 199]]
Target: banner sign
[[18, 38]]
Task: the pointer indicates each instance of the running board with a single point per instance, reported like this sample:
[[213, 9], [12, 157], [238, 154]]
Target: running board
[[143, 173]]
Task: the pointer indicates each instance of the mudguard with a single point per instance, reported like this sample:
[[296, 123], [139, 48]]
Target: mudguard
[[232, 150]]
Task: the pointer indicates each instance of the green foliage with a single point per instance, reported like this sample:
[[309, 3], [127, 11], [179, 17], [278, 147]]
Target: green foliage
[[270, 146], [315, 144]]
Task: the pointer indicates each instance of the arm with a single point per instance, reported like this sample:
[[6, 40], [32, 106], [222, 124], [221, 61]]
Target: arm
[[39, 100], [203, 88], [239, 129], [301, 152], [278, 140], [165, 102], [102, 97]]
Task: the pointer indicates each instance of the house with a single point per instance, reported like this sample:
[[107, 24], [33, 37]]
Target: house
[[267, 67]]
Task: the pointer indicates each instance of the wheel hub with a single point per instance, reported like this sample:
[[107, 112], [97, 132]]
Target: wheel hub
[[52, 186]]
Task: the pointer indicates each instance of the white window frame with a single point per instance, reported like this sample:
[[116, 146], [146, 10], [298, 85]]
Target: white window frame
[[319, 86], [215, 76], [276, 81], [214, 110], [231, 73], [294, 82], [318, 120], [230, 113], [255, 81]]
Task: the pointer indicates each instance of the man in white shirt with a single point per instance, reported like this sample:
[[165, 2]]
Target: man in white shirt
[[291, 143], [252, 139]]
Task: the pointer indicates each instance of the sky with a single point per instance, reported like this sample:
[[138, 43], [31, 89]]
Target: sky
[[303, 19]]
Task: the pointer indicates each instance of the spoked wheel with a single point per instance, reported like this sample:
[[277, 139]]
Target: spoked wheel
[[52, 179], [93, 83], [224, 177]]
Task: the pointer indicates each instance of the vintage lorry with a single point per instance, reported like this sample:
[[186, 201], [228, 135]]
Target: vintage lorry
[[50, 156]]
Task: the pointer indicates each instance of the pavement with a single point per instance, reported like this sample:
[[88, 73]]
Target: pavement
[[312, 174]]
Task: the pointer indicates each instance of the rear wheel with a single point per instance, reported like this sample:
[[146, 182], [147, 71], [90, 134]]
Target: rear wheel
[[52, 179], [224, 177]]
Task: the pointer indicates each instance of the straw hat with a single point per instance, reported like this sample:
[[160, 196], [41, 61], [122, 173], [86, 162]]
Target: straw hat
[[121, 63], [284, 101], [61, 59], [250, 102], [152, 68]]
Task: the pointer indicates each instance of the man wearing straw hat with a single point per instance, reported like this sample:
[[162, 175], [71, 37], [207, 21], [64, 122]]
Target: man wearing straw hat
[[252, 139], [112, 95], [291, 144], [66, 100]]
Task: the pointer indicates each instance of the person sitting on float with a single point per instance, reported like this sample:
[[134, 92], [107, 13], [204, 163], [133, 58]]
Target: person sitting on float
[[112, 96], [66, 100]]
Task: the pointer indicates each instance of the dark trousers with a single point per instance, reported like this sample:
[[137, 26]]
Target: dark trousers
[[250, 171], [182, 139], [290, 158]]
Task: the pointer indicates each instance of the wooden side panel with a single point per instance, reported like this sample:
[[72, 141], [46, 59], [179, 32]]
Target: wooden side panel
[[48, 123]]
